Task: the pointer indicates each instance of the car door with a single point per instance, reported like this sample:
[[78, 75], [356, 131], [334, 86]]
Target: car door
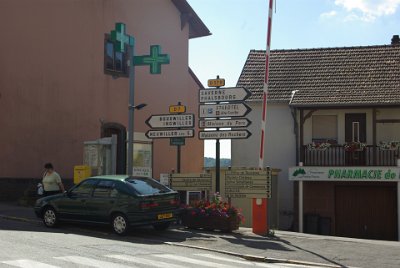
[[73, 206], [102, 201]]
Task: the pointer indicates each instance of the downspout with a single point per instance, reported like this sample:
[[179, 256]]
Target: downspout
[[295, 125]]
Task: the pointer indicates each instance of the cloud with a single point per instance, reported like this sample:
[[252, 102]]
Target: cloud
[[368, 10], [328, 15]]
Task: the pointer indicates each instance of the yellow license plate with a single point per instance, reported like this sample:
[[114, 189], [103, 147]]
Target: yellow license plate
[[164, 216]]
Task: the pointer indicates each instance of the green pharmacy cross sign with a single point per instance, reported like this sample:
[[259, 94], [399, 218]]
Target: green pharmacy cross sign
[[154, 60], [120, 38]]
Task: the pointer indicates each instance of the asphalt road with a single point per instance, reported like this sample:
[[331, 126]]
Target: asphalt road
[[27, 244]]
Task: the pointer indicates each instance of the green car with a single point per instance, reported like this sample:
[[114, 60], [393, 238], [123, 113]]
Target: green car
[[119, 200]]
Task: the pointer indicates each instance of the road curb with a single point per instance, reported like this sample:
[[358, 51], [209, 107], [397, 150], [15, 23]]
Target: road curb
[[255, 258], [6, 217]]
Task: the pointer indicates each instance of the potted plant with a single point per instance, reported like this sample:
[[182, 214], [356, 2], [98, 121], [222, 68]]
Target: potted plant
[[212, 215]]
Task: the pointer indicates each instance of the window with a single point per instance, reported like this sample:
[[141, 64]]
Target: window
[[356, 131], [146, 186], [115, 63], [105, 189], [84, 189], [324, 128]]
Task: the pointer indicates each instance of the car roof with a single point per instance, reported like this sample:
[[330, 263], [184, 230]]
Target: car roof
[[114, 177]]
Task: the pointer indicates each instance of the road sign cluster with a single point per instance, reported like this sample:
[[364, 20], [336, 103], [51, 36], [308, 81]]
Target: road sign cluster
[[220, 108]]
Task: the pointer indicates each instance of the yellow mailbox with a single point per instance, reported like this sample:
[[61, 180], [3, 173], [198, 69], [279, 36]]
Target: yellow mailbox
[[81, 173]]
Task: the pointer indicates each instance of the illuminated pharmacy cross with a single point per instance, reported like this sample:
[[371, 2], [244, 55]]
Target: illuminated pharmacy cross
[[154, 60], [121, 38]]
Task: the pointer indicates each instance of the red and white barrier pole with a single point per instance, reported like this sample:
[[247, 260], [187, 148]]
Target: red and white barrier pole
[[260, 221], [265, 89]]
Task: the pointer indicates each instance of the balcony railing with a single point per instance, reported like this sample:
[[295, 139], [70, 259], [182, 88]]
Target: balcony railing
[[336, 155]]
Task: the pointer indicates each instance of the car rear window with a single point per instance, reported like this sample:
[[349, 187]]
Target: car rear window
[[147, 186]]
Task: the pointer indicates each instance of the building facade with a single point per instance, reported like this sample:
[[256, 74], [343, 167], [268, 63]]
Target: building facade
[[333, 122], [63, 83]]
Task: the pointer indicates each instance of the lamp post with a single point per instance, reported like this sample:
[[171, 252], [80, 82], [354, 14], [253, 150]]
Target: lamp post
[[154, 60], [131, 137]]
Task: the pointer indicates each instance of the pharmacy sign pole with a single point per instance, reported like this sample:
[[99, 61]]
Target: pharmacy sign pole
[[154, 60]]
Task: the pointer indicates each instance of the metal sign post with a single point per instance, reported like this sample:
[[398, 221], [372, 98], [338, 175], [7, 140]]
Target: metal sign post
[[154, 60], [219, 108]]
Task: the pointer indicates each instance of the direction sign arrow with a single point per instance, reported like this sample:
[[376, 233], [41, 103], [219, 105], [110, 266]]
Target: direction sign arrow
[[223, 110], [224, 134], [230, 94], [224, 123], [173, 133], [171, 121]]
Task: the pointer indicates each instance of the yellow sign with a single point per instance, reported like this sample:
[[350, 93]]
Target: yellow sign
[[176, 109], [216, 82]]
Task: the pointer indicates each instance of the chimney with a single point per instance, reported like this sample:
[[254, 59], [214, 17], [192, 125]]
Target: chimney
[[395, 40]]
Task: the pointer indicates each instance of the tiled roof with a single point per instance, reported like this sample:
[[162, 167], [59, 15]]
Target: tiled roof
[[327, 76]]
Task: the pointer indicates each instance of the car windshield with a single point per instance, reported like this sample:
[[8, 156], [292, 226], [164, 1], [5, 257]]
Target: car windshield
[[147, 186]]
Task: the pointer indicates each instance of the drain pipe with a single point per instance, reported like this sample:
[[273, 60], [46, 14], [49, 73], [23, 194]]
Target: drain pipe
[[296, 133], [295, 125]]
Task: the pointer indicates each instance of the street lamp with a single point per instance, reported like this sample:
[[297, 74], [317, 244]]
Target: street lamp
[[131, 132], [139, 106]]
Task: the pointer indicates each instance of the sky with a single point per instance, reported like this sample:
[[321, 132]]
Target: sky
[[237, 26]]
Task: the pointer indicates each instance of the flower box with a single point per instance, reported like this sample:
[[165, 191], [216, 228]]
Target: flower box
[[354, 146], [214, 215], [211, 222], [314, 146], [389, 146]]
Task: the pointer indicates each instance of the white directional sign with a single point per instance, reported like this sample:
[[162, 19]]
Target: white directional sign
[[171, 121], [230, 94], [224, 123], [224, 134], [223, 110], [159, 134]]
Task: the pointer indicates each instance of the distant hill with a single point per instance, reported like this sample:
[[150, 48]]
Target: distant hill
[[210, 162]]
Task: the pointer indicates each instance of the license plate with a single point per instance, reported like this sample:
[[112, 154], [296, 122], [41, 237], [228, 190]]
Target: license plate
[[164, 216]]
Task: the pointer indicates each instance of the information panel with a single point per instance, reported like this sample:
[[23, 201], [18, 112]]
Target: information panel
[[191, 182], [248, 183]]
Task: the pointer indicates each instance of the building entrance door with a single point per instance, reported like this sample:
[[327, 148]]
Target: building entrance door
[[367, 212], [109, 129], [355, 131]]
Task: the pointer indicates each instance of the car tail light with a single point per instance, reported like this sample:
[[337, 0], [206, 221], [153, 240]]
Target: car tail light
[[174, 202], [148, 204]]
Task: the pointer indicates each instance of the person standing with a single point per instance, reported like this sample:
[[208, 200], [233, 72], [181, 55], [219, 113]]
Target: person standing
[[52, 183]]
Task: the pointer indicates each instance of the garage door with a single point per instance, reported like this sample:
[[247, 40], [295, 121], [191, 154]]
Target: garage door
[[367, 212]]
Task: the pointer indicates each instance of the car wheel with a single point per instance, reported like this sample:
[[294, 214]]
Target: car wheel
[[120, 224], [50, 218], [161, 226]]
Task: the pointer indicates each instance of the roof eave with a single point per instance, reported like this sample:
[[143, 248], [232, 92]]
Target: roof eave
[[197, 28], [343, 105]]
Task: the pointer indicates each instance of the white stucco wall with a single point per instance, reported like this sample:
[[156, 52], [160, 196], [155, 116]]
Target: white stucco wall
[[280, 152], [388, 131]]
